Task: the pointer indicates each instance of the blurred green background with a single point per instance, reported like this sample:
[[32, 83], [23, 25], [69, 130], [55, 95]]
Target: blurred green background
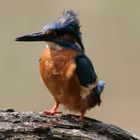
[[111, 35]]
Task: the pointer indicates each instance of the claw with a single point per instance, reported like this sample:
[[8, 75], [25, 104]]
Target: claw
[[51, 112]]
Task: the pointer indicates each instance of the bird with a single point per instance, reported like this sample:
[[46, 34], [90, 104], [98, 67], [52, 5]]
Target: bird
[[65, 68]]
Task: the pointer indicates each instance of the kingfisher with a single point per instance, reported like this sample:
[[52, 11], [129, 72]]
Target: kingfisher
[[65, 69]]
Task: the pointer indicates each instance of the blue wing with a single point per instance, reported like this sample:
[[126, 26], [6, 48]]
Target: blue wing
[[85, 71]]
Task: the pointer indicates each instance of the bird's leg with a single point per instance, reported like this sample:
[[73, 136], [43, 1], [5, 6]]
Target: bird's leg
[[81, 117], [53, 110]]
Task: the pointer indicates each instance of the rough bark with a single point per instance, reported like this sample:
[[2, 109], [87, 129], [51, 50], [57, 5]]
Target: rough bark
[[34, 125]]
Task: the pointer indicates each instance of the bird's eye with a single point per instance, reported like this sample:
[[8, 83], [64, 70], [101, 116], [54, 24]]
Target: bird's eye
[[61, 33], [52, 33]]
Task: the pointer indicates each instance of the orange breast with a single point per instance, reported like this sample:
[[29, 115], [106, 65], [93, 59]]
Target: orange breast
[[57, 68]]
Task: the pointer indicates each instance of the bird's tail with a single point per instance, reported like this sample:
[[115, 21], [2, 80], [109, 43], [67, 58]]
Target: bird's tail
[[94, 98]]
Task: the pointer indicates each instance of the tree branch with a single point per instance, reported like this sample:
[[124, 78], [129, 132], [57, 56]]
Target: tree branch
[[33, 125]]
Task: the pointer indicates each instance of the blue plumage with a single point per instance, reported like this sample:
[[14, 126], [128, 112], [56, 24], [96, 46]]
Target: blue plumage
[[68, 23], [87, 76], [85, 70]]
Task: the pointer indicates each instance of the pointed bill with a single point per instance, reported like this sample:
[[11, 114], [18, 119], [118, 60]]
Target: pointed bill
[[39, 36]]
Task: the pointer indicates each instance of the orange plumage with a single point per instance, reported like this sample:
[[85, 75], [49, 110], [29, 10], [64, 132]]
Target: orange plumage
[[57, 68]]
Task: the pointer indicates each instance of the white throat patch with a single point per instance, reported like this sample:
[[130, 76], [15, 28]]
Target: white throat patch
[[53, 45]]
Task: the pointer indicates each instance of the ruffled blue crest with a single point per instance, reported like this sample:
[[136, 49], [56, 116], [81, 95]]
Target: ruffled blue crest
[[68, 23]]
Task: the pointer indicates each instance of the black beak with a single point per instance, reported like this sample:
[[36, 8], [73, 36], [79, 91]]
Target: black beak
[[40, 36]]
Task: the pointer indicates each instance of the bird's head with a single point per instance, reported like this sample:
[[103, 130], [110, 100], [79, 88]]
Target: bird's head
[[66, 27]]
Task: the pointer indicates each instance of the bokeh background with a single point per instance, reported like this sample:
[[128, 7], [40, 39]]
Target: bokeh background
[[111, 35]]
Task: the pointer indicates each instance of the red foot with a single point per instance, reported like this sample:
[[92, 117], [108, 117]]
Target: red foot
[[53, 110], [81, 118]]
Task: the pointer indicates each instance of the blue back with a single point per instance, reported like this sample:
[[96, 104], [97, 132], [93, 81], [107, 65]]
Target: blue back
[[85, 70]]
